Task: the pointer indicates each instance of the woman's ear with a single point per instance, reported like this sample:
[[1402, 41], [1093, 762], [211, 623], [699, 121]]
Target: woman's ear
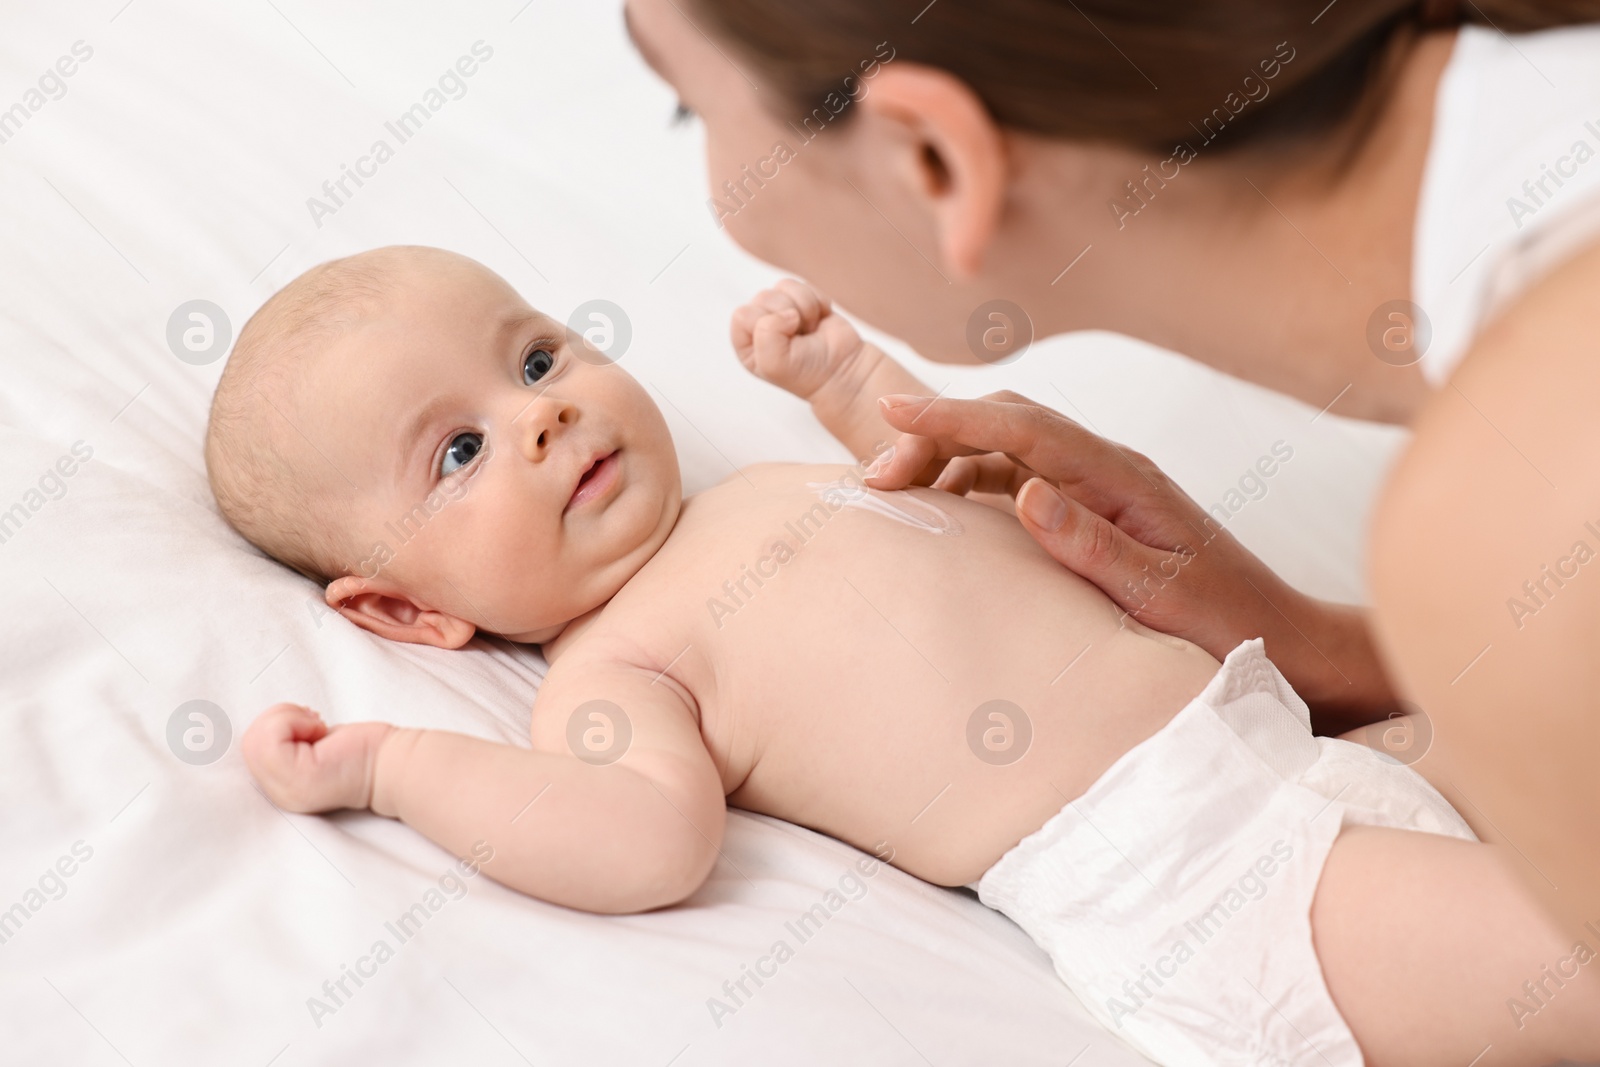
[[387, 611], [959, 165]]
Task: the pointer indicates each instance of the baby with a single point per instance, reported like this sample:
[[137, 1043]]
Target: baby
[[906, 671]]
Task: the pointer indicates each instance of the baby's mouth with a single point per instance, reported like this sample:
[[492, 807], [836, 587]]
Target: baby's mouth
[[595, 481]]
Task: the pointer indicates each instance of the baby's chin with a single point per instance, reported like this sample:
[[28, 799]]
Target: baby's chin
[[548, 639], [542, 630]]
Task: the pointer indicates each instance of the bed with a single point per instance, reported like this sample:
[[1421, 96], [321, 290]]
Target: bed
[[167, 164]]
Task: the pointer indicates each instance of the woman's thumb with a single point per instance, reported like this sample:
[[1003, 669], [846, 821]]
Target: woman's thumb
[[1080, 540]]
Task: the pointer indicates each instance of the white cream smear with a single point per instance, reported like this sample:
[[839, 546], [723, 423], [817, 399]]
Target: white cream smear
[[896, 504]]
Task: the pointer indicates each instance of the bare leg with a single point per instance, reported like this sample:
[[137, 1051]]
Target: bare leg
[[1426, 943]]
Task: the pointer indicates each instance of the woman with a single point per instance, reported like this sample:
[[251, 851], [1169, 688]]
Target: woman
[[1363, 203]]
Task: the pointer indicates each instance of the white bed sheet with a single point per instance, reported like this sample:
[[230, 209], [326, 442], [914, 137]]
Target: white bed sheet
[[176, 166]]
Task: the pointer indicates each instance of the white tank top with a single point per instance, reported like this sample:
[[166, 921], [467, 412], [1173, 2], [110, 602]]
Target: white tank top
[[1512, 182]]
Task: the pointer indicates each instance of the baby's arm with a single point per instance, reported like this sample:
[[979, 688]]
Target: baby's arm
[[640, 832], [789, 336]]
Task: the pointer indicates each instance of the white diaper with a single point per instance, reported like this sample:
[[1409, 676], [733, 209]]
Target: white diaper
[[1174, 896]]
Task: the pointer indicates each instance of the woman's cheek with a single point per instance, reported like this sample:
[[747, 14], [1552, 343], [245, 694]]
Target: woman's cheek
[[748, 179], [765, 227]]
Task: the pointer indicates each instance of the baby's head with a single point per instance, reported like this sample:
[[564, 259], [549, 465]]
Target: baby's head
[[401, 426]]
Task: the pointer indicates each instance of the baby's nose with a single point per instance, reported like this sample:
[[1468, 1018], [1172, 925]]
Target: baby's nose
[[544, 421]]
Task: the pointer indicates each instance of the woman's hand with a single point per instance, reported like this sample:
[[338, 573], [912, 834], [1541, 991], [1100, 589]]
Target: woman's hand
[[1111, 516]]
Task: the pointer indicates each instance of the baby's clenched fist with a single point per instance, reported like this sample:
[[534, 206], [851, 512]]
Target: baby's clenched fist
[[305, 766], [789, 336]]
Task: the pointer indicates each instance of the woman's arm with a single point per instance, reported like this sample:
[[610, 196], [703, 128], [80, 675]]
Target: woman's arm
[[1486, 583]]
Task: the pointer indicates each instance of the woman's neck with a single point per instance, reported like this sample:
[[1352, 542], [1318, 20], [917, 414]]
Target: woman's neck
[[1268, 267]]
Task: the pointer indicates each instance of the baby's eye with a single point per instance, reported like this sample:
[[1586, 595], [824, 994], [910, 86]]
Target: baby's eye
[[537, 365], [460, 451]]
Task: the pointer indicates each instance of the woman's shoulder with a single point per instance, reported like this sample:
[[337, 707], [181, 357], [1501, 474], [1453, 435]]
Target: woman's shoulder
[[1518, 409]]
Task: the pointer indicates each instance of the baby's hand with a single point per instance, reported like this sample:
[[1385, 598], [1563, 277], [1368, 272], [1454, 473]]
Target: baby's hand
[[304, 766], [790, 337]]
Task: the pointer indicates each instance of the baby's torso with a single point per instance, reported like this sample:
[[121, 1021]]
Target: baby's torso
[[904, 671]]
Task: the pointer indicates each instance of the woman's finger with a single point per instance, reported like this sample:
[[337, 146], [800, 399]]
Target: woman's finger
[[996, 472], [958, 477], [1101, 474], [913, 454], [990, 472], [905, 462], [1089, 545]]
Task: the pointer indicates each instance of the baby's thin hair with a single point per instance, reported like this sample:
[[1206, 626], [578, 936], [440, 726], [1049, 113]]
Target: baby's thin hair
[[256, 456]]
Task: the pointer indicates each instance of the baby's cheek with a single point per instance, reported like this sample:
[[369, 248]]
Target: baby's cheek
[[513, 570]]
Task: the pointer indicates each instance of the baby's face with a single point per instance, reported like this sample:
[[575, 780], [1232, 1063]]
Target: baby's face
[[498, 477]]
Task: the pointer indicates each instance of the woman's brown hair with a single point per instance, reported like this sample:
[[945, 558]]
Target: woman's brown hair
[[1147, 73]]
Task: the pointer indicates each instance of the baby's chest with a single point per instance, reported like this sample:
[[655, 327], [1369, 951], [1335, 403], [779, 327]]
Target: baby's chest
[[786, 614], [800, 563], [765, 588]]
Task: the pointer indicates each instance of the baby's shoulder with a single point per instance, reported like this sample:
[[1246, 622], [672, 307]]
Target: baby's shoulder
[[616, 644]]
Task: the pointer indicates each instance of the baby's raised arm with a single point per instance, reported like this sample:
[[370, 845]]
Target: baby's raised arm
[[789, 335], [617, 808]]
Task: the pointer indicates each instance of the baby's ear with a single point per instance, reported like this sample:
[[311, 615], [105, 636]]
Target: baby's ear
[[388, 612]]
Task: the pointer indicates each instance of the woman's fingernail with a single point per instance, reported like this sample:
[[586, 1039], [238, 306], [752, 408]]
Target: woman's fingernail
[[1042, 505], [876, 467], [894, 401]]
